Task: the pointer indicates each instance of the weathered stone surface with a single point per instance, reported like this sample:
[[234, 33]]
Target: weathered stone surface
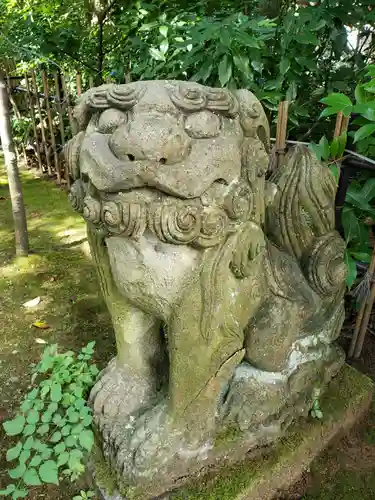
[[278, 466], [225, 288]]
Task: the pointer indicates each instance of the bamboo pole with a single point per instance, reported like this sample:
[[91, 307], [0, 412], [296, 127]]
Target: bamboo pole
[[338, 126], [281, 128], [67, 99], [79, 84], [32, 112], [365, 322], [50, 124], [59, 109], [44, 140], [91, 82], [358, 334], [17, 114]]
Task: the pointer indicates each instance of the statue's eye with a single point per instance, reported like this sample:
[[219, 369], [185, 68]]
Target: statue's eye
[[203, 124], [110, 120]]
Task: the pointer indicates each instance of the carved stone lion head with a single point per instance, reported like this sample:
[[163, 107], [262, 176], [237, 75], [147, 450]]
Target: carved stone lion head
[[181, 159]]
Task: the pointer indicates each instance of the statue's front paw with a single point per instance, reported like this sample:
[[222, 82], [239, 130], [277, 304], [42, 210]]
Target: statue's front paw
[[119, 393]]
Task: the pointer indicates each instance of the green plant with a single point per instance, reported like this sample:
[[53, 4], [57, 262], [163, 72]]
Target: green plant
[[84, 495], [316, 411], [53, 423]]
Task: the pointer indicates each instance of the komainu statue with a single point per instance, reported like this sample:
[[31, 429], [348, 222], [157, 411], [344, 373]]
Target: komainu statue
[[225, 288]]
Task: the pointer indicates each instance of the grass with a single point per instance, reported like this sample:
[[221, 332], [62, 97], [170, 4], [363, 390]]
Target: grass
[[60, 272]]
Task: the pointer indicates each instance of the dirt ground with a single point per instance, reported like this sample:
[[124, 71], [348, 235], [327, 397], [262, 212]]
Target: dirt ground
[[60, 272]]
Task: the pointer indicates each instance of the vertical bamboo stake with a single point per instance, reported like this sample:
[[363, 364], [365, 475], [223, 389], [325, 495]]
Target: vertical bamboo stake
[[32, 112], [356, 339], [365, 321], [50, 124], [17, 113], [44, 140], [91, 82], [67, 99], [59, 108], [79, 84], [338, 125], [282, 122]]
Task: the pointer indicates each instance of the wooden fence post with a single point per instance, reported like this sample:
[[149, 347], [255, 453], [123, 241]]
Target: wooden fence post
[[67, 100], [45, 145], [32, 112], [282, 122], [91, 82], [79, 84], [50, 124]]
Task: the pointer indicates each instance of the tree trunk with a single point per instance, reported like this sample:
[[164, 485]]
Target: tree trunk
[[15, 188]]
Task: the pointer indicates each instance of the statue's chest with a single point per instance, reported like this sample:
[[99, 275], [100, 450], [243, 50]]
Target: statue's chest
[[150, 273]]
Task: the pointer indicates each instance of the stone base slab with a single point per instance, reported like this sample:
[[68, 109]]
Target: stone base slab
[[275, 467]]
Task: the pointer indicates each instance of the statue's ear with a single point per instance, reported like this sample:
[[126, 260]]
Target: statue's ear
[[253, 119]]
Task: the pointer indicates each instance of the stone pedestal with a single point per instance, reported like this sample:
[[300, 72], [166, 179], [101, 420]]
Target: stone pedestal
[[264, 472]]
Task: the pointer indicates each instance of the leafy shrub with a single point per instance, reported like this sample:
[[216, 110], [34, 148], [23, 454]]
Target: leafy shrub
[[53, 423]]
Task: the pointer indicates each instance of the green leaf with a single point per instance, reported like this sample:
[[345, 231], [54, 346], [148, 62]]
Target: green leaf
[[52, 407], [163, 30], [59, 448], [367, 110], [343, 138], [360, 94], [351, 225], [15, 426], [29, 430], [242, 63], [257, 66], [43, 429], [328, 112], [351, 268], [56, 393], [156, 54], [9, 489], [225, 70], [63, 458], [46, 453], [77, 429], [334, 148], [86, 439], [316, 149], [18, 471], [31, 477], [164, 46], [71, 441], [25, 455], [291, 93], [48, 472], [19, 494], [338, 102], [368, 190], [361, 256], [58, 420], [32, 417], [14, 452], [335, 170], [32, 394], [29, 443], [364, 132], [35, 461], [324, 147], [56, 436], [65, 431], [284, 66], [73, 417], [307, 38], [26, 405]]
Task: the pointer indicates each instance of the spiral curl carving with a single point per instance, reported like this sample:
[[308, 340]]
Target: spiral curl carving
[[239, 202], [134, 218], [91, 210], [177, 225], [111, 216], [326, 269], [77, 195], [214, 228]]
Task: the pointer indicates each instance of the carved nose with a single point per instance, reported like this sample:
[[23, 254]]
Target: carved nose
[[156, 139]]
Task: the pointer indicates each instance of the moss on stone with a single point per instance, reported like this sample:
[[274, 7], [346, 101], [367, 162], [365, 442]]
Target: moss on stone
[[348, 393], [105, 478]]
